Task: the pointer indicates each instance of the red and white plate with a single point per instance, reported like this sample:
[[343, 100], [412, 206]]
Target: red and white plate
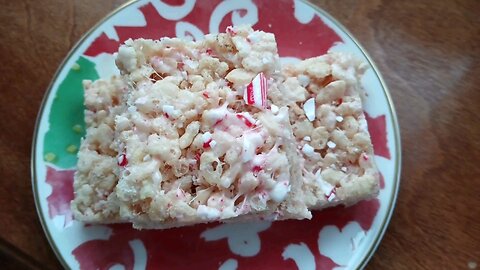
[[338, 238]]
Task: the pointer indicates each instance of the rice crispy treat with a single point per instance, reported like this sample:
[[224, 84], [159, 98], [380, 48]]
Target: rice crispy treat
[[335, 151], [96, 175], [187, 136], [197, 143]]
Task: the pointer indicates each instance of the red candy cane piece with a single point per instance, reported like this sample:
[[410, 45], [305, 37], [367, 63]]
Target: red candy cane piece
[[256, 92], [246, 121], [331, 196], [122, 160], [197, 156], [207, 144]]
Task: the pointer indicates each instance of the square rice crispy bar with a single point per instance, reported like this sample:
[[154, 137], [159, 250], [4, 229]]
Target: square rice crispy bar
[[197, 141], [334, 148], [215, 130], [96, 175]]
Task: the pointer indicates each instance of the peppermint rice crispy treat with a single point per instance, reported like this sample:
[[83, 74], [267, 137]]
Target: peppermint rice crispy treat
[[216, 130], [197, 144], [96, 175], [333, 144]]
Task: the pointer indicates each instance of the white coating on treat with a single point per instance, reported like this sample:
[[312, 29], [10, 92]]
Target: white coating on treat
[[280, 191], [303, 80], [274, 108], [207, 212], [308, 150], [324, 185], [251, 140]]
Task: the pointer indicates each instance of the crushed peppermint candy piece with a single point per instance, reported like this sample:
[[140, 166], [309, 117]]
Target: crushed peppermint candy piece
[[171, 111], [327, 188], [207, 137], [309, 108], [344, 169], [339, 119], [331, 144], [307, 138], [256, 92], [331, 197], [247, 119], [122, 160], [274, 108], [308, 150], [212, 143], [206, 144]]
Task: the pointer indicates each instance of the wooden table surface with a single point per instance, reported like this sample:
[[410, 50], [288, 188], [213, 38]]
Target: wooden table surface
[[428, 52]]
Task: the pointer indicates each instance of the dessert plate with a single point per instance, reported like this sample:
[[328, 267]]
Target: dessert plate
[[335, 238]]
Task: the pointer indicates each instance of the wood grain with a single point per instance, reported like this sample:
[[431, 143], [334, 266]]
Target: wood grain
[[427, 51]]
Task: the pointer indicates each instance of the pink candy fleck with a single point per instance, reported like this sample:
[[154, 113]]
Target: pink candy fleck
[[230, 31], [339, 101], [256, 170]]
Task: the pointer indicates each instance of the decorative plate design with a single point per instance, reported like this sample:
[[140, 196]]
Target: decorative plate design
[[335, 238]]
